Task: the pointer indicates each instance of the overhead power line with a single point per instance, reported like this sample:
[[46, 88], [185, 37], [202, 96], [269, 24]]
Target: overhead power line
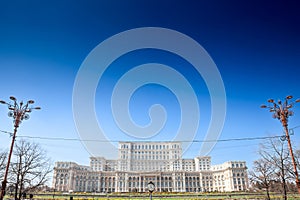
[[104, 141], [183, 141]]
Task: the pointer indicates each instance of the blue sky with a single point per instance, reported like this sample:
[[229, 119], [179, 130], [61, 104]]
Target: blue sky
[[254, 44]]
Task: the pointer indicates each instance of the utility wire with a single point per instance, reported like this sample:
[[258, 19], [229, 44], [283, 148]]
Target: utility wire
[[195, 141], [10, 133], [104, 141]]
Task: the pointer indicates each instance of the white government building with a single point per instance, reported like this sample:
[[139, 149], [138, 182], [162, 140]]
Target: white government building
[[139, 163]]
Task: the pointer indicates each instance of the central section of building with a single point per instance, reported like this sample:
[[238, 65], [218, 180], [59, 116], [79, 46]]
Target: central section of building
[[143, 157]]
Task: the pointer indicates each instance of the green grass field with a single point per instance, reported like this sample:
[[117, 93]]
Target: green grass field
[[158, 196]]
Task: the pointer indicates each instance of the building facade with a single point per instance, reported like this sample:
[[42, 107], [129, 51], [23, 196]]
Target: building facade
[[139, 163]]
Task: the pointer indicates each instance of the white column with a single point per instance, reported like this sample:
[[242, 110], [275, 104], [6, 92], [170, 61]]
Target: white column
[[140, 182], [117, 183], [173, 182], [183, 182], [126, 183]]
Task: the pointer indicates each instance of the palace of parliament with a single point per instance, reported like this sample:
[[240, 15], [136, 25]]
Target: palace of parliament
[[139, 163]]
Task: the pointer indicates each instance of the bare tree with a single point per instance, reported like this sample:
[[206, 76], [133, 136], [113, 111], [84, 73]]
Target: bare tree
[[275, 153], [30, 169], [297, 158], [262, 175], [3, 155]]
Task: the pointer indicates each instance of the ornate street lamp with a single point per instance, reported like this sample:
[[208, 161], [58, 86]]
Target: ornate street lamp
[[151, 188], [18, 112], [282, 113]]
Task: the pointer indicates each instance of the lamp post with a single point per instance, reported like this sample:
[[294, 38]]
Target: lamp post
[[282, 113], [18, 112], [151, 188]]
